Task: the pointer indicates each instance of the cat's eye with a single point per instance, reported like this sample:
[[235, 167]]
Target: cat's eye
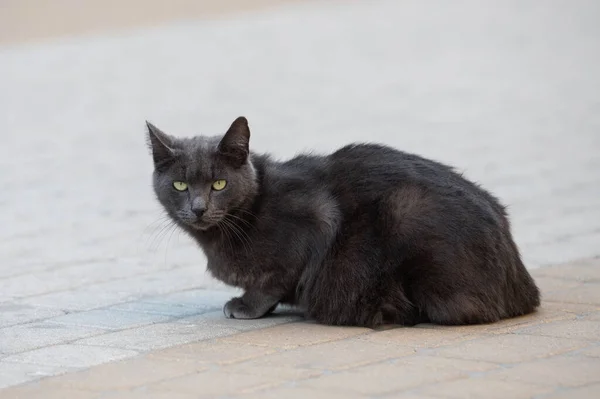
[[219, 185], [180, 186]]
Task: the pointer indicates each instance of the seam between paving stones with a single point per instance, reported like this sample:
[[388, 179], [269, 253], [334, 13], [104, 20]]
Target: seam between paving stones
[[57, 266], [102, 281], [467, 375]]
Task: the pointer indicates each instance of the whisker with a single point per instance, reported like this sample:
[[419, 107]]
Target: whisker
[[241, 234]]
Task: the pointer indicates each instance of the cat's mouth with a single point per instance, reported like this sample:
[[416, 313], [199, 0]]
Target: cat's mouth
[[203, 224]]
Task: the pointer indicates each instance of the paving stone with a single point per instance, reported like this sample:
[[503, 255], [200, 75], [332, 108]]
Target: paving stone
[[567, 371], [216, 319], [593, 316], [161, 308], [582, 329], [213, 352], [510, 348], [80, 299], [71, 355], [420, 337], [293, 392], [548, 284], [17, 373], [13, 314], [475, 388], [109, 319], [35, 392], [197, 298], [144, 394], [215, 383], [403, 374], [580, 270], [587, 392], [156, 336], [29, 336], [328, 356], [125, 375], [585, 293], [593, 352], [295, 335]]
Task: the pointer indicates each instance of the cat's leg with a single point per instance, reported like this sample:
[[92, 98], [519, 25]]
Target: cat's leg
[[251, 305]]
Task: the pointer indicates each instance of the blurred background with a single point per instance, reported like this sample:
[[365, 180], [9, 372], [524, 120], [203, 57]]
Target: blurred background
[[508, 91]]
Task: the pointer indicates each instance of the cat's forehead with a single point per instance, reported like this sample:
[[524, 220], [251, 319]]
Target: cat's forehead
[[199, 145], [199, 156]]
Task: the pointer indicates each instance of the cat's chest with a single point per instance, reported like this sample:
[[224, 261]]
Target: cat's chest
[[233, 268]]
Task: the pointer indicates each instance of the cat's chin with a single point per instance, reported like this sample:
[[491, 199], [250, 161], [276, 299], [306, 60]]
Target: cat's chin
[[202, 226]]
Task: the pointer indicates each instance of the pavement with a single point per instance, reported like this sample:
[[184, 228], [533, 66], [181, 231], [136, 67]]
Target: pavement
[[100, 297]]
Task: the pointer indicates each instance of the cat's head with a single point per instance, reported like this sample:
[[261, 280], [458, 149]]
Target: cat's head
[[200, 180]]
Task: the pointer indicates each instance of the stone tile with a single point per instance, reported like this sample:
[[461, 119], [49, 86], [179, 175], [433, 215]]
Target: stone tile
[[336, 355], [485, 388], [74, 356], [295, 334], [117, 291], [389, 377], [547, 284], [79, 299], [216, 319], [586, 392], [283, 372], [125, 375], [213, 352], [568, 371], [34, 284], [510, 348], [109, 319], [37, 392], [593, 351], [585, 293], [215, 383], [593, 316], [409, 395], [160, 308], [579, 329], [197, 298], [13, 314], [422, 336], [156, 336], [580, 270], [144, 394], [294, 392], [29, 336], [18, 373]]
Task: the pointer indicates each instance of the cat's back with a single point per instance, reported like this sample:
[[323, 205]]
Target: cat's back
[[368, 173]]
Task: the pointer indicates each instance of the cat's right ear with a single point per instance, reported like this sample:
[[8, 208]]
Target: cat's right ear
[[161, 145]]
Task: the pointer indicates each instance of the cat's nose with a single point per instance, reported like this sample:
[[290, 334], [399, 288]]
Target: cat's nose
[[198, 207], [198, 211]]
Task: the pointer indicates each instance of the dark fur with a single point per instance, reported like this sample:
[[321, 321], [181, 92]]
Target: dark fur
[[363, 236]]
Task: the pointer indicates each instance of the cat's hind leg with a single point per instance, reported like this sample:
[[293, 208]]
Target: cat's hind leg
[[251, 305]]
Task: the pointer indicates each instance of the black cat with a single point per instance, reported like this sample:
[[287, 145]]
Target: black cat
[[364, 236]]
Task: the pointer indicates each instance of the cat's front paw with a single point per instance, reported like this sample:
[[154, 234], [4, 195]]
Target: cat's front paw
[[237, 309]]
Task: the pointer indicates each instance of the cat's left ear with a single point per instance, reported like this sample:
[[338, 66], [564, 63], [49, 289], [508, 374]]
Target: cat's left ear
[[234, 146], [160, 143]]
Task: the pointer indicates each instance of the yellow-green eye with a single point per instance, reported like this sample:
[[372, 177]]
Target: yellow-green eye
[[219, 185], [180, 186]]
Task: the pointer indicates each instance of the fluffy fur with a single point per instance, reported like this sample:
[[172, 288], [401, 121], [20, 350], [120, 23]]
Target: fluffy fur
[[364, 236]]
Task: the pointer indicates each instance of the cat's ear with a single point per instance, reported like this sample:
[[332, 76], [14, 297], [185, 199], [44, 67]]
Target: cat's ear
[[234, 145], [160, 144]]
